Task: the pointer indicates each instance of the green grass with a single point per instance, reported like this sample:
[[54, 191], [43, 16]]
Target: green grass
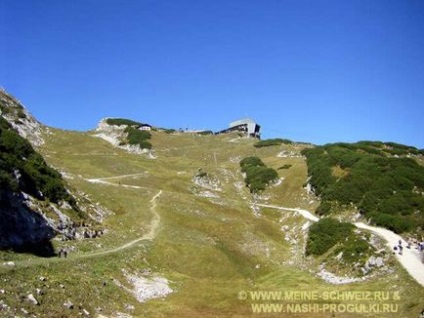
[[209, 249]]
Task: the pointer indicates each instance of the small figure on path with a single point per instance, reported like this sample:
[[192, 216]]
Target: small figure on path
[[63, 253], [400, 247]]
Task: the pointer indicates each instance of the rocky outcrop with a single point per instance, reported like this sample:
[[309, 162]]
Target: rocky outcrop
[[117, 136], [150, 287], [21, 228], [29, 225], [21, 120], [207, 181]]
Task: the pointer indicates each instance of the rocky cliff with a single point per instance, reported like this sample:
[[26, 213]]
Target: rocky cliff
[[35, 202]]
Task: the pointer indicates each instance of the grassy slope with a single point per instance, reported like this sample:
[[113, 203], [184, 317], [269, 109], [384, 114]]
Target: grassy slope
[[208, 249]]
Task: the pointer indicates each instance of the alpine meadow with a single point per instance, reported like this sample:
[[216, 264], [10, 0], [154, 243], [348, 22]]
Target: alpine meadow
[[133, 220]]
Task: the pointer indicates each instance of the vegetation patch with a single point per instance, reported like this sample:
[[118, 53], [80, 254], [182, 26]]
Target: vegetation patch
[[285, 167], [344, 249], [205, 133], [201, 174], [325, 234], [385, 188], [354, 249], [138, 137], [23, 169], [122, 122], [258, 176], [272, 142], [168, 131]]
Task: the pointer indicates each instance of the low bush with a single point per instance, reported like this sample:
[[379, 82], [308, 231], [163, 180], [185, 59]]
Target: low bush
[[122, 122], [248, 162], [373, 180], [325, 234], [138, 137], [272, 142], [258, 176], [324, 208], [395, 223], [169, 131], [354, 249], [205, 133], [288, 166]]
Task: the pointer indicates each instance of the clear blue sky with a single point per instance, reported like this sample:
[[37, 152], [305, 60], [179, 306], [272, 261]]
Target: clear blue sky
[[309, 70]]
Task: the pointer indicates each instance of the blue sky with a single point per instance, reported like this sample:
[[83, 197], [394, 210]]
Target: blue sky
[[309, 70]]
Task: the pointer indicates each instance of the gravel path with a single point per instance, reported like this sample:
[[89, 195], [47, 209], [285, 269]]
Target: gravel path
[[410, 258]]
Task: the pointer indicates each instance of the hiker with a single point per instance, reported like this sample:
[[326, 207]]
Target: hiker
[[400, 249], [63, 253]]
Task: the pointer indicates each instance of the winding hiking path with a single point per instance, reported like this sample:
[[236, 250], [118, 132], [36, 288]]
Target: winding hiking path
[[410, 259], [149, 236]]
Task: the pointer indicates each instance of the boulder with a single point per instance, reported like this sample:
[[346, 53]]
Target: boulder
[[32, 299], [68, 304]]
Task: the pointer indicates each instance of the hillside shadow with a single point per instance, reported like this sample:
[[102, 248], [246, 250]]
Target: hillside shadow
[[42, 249], [23, 230]]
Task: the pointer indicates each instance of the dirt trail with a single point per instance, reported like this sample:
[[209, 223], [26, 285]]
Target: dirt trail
[[104, 181], [149, 236], [410, 258], [117, 177]]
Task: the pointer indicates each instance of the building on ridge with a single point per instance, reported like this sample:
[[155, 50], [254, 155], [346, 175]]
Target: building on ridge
[[246, 126]]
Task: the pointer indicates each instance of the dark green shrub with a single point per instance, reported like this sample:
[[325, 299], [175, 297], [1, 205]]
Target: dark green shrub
[[4, 110], [258, 176], [373, 181], [250, 162], [354, 249], [288, 166], [17, 157], [324, 208], [272, 142], [21, 114], [54, 190], [343, 157], [138, 137], [325, 234], [145, 145], [122, 122], [206, 132], [201, 174], [394, 223]]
